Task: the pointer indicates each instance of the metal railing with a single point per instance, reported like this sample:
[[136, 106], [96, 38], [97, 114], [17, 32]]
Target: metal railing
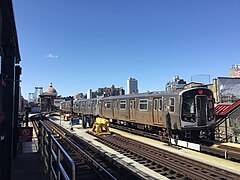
[[52, 156]]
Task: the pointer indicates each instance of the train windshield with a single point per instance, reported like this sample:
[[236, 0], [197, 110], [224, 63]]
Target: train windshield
[[197, 105], [188, 106]]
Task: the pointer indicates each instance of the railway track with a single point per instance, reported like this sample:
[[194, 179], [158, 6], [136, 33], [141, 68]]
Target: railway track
[[90, 162], [223, 151], [83, 167], [168, 164], [139, 132]]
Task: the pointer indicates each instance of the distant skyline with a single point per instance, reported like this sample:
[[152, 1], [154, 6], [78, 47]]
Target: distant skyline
[[86, 44]]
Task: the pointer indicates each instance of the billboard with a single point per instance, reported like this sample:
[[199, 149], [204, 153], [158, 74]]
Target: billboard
[[228, 89]]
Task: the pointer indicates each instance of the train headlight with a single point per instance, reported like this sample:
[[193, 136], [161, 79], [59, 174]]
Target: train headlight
[[210, 118]]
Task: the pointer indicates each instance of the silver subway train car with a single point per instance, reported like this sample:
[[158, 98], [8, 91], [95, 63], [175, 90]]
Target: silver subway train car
[[191, 111]]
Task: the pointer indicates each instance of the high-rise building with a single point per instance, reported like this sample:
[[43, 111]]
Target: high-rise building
[[132, 86], [89, 94], [108, 91]]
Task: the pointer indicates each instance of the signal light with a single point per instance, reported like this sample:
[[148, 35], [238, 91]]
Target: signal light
[[200, 91]]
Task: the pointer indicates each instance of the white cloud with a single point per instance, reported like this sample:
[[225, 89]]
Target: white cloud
[[51, 56]]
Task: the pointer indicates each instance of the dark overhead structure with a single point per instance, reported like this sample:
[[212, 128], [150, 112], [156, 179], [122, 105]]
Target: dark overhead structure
[[9, 87]]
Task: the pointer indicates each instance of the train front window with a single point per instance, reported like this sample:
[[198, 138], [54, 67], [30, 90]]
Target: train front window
[[188, 109], [188, 106]]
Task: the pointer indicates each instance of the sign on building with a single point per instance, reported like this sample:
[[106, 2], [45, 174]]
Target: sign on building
[[235, 70]]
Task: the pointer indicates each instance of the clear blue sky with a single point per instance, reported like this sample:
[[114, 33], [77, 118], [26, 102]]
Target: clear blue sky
[[82, 44]]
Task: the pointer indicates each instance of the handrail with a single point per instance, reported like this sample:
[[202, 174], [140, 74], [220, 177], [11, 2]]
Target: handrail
[[220, 121], [49, 155]]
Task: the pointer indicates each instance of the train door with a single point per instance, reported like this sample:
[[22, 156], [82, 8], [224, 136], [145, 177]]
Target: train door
[[156, 112], [115, 106], [110, 108], [201, 109], [101, 104], [132, 109], [95, 107]]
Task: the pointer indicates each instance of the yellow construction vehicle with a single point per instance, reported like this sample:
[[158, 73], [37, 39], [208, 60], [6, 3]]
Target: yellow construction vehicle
[[101, 126]]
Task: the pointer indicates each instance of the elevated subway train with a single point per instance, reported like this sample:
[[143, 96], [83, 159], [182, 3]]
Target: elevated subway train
[[191, 111]]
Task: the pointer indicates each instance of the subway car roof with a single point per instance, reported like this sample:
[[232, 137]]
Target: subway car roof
[[143, 95], [185, 90], [139, 95]]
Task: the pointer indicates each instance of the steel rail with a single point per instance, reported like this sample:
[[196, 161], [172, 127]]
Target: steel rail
[[101, 171], [185, 165], [229, 153]]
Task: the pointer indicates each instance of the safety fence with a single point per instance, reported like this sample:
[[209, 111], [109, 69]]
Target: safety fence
[[54, 155]]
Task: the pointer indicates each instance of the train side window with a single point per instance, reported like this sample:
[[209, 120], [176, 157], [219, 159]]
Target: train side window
[[160, 104], [143, 104], [172, 104], [155, 104], [123, 104], [108, 104]]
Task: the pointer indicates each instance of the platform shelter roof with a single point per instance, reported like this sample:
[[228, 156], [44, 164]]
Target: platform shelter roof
[[224, 109]]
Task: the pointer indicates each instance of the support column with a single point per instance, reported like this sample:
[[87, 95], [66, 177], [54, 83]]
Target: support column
[[18, 71], [9, 52], [8, 105], [226, 130]]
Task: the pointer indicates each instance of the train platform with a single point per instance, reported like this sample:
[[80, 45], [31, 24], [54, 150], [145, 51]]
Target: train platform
[[208, 159], [231, 145], [28, 164]]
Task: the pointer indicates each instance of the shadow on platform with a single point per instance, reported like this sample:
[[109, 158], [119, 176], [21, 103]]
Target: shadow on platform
[[28, 166]]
